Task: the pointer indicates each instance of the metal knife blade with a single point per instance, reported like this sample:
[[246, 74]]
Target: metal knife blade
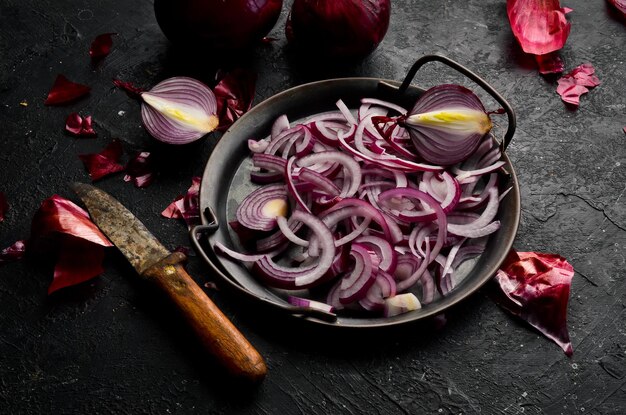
[[126, 232]]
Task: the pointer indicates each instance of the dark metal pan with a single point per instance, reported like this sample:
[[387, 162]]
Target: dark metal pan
[[226, 182]]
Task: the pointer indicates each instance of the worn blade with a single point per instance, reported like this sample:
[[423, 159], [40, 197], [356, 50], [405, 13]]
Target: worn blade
[[126, 232]]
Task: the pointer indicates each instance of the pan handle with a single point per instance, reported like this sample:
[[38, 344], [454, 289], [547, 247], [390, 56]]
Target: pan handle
[[197, 232], [471, 75]]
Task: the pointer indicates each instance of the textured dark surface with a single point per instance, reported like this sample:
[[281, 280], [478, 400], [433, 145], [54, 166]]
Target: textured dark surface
[[111, 346]]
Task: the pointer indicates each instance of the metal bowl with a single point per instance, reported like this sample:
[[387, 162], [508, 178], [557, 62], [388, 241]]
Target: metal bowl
[[226, 182]]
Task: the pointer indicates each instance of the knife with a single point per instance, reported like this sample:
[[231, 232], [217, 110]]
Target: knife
[[157, 264]]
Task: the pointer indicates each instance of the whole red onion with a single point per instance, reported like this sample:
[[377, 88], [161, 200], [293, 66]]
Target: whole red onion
[[217, 24], [347, 29]]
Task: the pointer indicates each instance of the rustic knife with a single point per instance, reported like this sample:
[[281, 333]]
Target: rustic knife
[[157, 264]]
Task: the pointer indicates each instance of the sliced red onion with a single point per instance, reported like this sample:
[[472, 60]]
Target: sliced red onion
[[179, 110], [383, 288], [352, 170], [464, 175], [434, 209], [354, 286], [281, 124], [385, 104], [346, 112], [490, 212], [259, 210], [400, 304], [390, 214], [390, 163], [258, 146], [283, 225], [291, 186], [223, 249], [333, 297], [357, 207], [427, 285], [326, 131], [305, 302], [417, 273], [304, 276], [382, 247], [277, 238], [295, 140]]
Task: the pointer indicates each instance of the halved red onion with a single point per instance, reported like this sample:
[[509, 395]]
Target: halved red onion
[[447, 123], [179, 110]]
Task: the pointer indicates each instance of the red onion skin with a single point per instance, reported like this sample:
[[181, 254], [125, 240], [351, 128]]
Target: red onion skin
[[345, 29], [216, 24]]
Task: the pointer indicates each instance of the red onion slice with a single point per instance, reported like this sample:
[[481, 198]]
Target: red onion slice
[[355, 285], [304, 276], [382, 247], [490, 212], [401, 303], [259, 210], [305, 302]]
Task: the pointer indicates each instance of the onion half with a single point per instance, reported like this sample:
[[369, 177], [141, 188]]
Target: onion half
[[179, 110]]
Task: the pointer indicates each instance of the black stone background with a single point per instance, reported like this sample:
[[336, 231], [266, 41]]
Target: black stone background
[[111, 346]]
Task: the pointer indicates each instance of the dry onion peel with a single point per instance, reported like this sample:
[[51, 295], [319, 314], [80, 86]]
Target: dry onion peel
[[102, 164], [101, 46], [61, 226], [535, 287], [79, 126], [65, 91], [577, 83]]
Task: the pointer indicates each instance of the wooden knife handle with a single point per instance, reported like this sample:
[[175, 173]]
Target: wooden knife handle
[[216, 332]]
